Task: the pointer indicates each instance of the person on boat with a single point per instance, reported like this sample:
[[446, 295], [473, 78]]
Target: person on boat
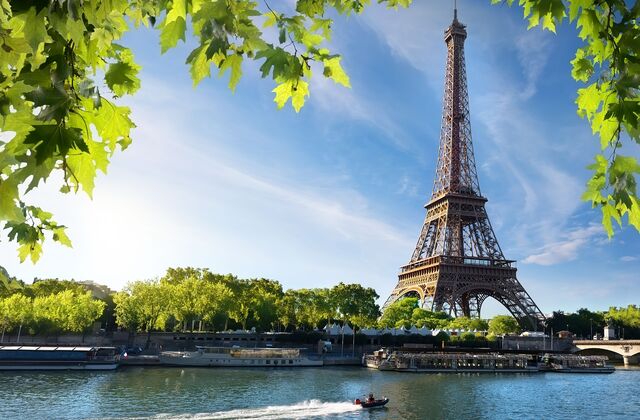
[[371, 398]]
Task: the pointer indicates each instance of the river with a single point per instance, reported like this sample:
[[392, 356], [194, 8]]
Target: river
[[312, 393]]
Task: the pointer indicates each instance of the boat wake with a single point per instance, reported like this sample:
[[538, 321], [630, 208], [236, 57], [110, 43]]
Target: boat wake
[[303, 410]]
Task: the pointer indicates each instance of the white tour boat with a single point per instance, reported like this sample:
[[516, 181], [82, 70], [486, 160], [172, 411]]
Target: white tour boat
[[238, 357]]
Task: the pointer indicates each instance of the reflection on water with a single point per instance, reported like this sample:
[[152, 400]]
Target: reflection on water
[[305, 393]]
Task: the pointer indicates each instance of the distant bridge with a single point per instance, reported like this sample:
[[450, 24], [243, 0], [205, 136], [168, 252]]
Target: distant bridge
[[628, 349]]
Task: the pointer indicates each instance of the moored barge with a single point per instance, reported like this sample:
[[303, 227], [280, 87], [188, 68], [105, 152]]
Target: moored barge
[[238, 357], [58, 358], [574, 363], [452, 362]]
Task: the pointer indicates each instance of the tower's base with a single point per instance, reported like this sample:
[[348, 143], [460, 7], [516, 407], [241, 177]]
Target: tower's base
[[459, 287]]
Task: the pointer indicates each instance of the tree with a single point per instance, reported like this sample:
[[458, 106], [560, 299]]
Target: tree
[[183, 302], [503, 324], [215, 299], [239, 312], [15, 311], [265, 296], [433, 320], [468, 337], [51, 286], [400, 311], [628, 319], [355, 304], [142, 305], [288, 310], [128, 314], [8, 285], [80, 310], [469, 324], [582, 323], [54, 52]]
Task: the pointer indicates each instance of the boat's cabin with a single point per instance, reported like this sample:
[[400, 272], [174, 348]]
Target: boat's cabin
[[254, 353]]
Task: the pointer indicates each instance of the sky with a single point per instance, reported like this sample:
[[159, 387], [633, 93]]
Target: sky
[[336, 193]]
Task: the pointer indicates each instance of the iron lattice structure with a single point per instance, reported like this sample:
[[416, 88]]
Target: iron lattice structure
[[457, 262]]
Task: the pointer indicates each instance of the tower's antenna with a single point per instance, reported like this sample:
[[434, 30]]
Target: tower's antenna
[[455, 9]]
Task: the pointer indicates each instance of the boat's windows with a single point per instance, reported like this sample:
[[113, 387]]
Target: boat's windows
[[290, 362], [275, 362], [268, 362]]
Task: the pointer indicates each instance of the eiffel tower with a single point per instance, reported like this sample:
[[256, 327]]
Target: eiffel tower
[[457, 262]]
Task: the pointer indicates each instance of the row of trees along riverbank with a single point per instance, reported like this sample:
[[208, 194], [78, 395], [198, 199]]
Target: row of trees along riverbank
[[197, 299]]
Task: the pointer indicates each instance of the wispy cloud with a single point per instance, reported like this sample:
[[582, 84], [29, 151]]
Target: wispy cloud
[[567, 249], [533, 51], [628, 258]]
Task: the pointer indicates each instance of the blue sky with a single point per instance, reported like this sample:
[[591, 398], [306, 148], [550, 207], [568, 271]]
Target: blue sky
[[336, 192]]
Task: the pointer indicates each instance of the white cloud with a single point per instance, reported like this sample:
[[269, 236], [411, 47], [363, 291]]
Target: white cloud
[[628, 258], [533, 53], [566, 249]]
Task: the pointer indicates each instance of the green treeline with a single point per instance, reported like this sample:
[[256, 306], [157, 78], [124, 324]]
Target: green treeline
[[196, 299], [190, 299], [49, 307]]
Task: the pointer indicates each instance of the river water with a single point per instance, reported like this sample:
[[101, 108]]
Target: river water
[[312, 393]]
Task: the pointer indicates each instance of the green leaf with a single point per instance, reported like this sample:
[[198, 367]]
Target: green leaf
[[576, 5], [300, 92], [60, 235], [277, 60], [334, 70], [623, 165], [271, 18], [112, 122], [200, 65], [283, 93], [589, 100], [82, 171], [296, 89], [548, 23], [582, 66], [610, 212], [33, 250], [54, 140], [233, 62], [589, 24], [8, 198], [634, 213], [171, 33], [55, 102], [122, 76], [35, 32], [310, 8]]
